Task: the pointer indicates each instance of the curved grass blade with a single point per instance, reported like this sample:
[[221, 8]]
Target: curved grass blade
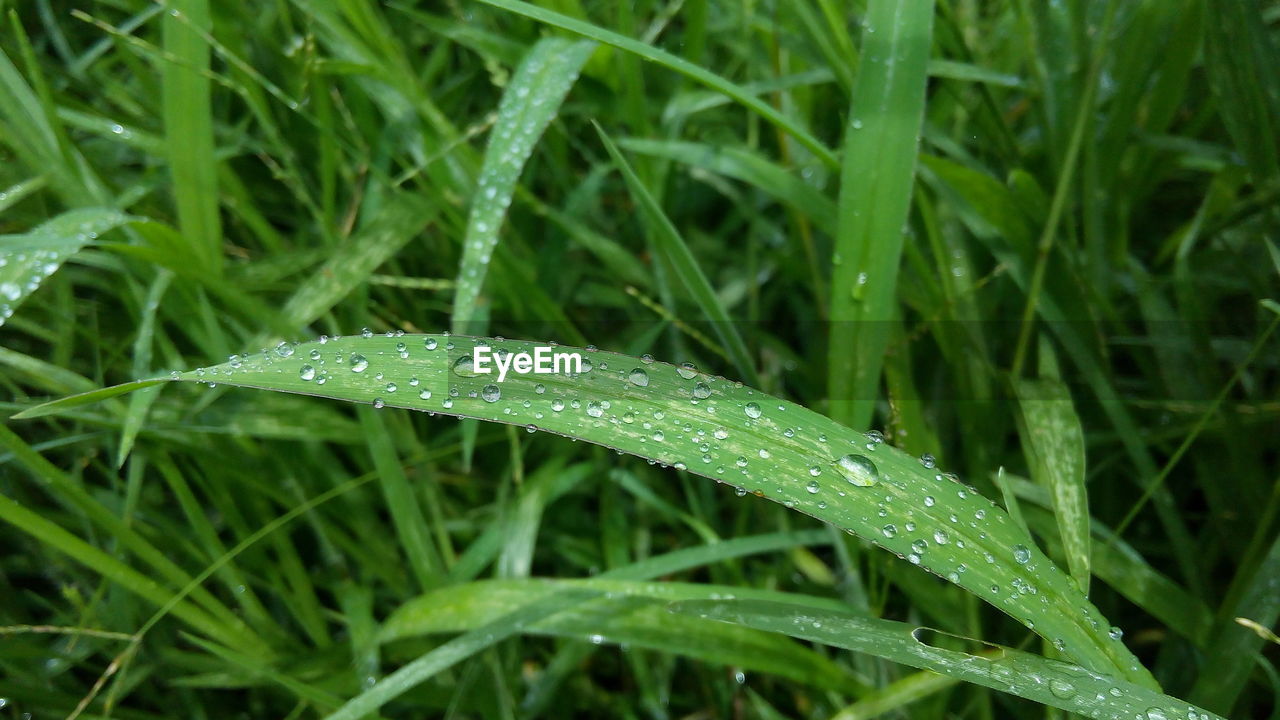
[[630, 613], [530, 102], [876, 181], [27, 259], [720, 429], [1044, 680], [745, 97]]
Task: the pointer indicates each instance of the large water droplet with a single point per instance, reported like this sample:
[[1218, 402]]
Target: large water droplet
[[701, 391], [464, 367], [812, 487], [1021, 554], [1061, 688], [594, 409], [490, 393], [430, 343], [359, 363], [639, 378], [306, 372], [688, 371], [858, 470], [752, 410]]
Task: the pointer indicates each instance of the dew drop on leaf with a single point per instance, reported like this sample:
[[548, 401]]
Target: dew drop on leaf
[[858, 470]]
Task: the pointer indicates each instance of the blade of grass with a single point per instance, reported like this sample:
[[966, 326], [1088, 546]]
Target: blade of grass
[[26, 260], [188, 128], [669, 242], [1054, 443], [1046, 681], [820, 468], [632, 614], [745, 97], [530, 102], [453, 652], [876, 178]]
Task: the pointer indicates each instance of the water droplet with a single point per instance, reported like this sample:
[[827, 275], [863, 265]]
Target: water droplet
[[812, 487], [764, 453], [359, 363], [928, 460], [929, 501], [366, 333], [1155, 713], [688, 371], [594, 409], [940, 537], [490, 393], [597, 639], [430, 343], [377, 403], [639, 378], [1061, 688], [284, 349], [814, 470], [875, 436], [557, 404], [464, 367], [425, 394], [752, 410], [858, 470], [1021, 554], [889, 530], [701, 391], [306, 372], [1115, 633]]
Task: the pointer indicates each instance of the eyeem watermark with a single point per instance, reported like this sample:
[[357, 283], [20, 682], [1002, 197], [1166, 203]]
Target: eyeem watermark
[[543, 361]]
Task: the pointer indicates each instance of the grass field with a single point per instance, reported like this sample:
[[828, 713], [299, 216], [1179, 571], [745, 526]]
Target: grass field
[[931, 372]]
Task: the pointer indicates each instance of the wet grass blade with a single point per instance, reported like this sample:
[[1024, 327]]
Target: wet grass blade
[[876, 179], [723, 430], [528, 105], [630, 614], [26, 260], [1054, 443], [743, 96], [1046, 681]]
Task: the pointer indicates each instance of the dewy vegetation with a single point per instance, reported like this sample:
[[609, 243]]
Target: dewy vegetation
[[1032, 242]]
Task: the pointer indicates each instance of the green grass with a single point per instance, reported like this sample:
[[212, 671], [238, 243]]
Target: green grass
[[1065, 215]]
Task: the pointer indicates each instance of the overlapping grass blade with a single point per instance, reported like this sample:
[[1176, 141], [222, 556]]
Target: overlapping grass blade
[[876, 180], [672, 246], [718, 428], [1049, 682], [528, 105], [630, 613]]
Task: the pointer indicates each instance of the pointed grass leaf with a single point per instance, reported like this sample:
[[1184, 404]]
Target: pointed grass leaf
[[528, 105], [721, 429], [672, 246], [1054, 443]]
